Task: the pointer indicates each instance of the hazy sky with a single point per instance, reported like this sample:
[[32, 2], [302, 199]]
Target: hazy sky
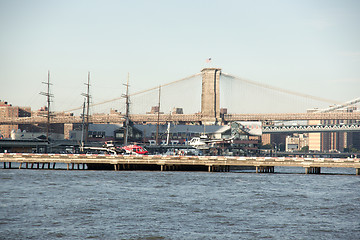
[[310, 46]]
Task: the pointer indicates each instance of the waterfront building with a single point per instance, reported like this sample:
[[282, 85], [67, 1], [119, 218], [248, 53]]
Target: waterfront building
[[333, 141], [107, 132], [24, 135], [9, 111], [296, 142], [277, 140]]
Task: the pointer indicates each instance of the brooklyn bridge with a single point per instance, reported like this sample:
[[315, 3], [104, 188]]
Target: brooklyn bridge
[[210, 111]]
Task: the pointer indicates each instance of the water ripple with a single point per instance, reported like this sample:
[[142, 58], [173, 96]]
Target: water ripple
[[176, 205]]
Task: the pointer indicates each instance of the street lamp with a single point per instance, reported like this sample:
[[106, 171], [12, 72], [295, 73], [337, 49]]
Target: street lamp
[[275, 148]]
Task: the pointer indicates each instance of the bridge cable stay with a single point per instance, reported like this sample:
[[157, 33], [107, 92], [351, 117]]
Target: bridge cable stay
[[280, 89], [346, 104], [137, 93]]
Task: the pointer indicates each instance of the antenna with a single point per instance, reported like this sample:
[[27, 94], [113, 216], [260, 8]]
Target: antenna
[[49, 96]]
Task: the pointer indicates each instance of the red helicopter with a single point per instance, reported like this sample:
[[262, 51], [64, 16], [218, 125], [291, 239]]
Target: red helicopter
[[135, 149], [111, 148]]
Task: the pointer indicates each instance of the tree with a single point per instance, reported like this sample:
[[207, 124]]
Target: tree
[[267, 146], [305, 149]]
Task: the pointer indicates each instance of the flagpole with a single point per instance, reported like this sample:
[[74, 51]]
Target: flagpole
[[208, 62]]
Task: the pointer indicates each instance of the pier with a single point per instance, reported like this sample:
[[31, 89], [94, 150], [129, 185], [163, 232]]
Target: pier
[[172, 163]]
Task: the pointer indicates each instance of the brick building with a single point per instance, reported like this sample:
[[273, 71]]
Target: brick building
[[333, 141], [9, 111], [296, 142]]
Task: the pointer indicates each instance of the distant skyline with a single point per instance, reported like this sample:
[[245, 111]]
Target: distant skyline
[[306, 46]]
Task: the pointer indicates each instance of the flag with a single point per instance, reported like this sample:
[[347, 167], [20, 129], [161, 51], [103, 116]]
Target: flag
[[208, 60]]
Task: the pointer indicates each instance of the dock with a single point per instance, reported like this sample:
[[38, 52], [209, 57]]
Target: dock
[[171, 163]]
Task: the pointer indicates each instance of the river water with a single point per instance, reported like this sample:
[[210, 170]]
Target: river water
[[60, 204]]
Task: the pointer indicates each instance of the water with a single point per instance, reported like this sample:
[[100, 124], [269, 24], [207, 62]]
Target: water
[[57, 204]]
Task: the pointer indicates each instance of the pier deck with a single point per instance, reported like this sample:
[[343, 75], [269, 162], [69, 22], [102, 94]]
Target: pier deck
[[173, 163]]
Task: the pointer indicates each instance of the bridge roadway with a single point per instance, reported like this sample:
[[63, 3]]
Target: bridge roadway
[[152, 118], [176, 163]]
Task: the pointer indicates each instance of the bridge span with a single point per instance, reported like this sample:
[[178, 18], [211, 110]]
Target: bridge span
[[185, 118], [312, 128]]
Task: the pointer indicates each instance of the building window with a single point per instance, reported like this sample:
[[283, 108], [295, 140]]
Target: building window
[[119, 135], [96, 134]]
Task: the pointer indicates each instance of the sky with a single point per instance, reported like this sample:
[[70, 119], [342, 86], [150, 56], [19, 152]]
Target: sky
[[309, 46]]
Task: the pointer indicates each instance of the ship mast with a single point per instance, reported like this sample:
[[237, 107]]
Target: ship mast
[[83, 127], [158, 119], [49, 96], [126, 135], [87, 95]]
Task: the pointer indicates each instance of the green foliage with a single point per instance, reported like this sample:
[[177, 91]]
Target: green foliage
[[305, 149], [267, 146], [351, 149]]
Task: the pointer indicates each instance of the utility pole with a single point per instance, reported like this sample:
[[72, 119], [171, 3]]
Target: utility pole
[[158, 119], [87, 95], [49, 96]]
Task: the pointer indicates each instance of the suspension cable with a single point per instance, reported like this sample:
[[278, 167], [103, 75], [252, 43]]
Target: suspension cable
[[137, 93], [281, 89]]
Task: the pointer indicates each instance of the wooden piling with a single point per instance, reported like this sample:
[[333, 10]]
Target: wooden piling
[[312, 170], [263, 169]]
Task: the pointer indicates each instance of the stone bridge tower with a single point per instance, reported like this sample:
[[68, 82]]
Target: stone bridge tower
[[210, 96]]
